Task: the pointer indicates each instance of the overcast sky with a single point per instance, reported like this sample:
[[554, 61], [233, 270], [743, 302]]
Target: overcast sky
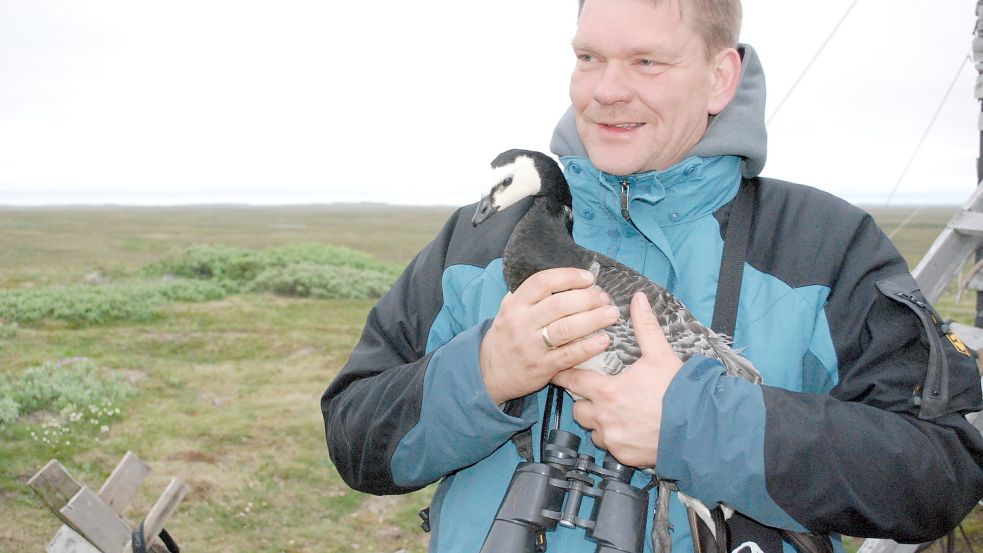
[[301, 101]]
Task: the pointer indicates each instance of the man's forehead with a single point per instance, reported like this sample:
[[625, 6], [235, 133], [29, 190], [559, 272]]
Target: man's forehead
[[674, 4], [601, 26], [672, 8]]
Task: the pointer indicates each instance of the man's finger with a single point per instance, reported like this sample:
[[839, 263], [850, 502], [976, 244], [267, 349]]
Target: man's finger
[[648, 332], [546, 283], [569, 303], [578, 381], [582, 325]]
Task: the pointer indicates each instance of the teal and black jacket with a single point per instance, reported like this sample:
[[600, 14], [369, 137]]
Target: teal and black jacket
[[844, 437]]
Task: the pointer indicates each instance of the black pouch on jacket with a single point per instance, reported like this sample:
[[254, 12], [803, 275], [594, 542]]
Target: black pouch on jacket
[[952, 382]]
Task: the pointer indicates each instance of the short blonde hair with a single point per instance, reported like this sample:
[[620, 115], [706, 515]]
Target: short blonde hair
[[717, 21]]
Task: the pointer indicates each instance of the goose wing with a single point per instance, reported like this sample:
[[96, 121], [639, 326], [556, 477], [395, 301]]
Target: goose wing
[[686, 335]]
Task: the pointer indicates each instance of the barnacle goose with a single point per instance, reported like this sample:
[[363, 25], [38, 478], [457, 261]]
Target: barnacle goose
[[542, 239]]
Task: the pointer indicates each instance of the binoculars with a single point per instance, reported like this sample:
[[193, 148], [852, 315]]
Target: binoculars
[[542, 495]]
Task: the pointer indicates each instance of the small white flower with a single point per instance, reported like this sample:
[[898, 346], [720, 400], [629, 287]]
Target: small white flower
[[103, 429]]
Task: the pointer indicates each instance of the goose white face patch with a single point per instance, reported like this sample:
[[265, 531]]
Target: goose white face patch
[[524, 182]]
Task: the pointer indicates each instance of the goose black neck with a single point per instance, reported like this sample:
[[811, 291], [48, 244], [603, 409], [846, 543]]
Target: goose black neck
[[541, 240]]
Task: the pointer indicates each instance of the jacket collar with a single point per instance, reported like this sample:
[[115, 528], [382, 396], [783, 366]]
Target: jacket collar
[[689, 190]]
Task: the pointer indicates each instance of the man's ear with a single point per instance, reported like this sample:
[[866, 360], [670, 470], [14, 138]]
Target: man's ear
[[726, 76]]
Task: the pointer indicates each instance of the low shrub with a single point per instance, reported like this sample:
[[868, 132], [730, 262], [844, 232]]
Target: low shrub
[[210, 262], [8, 330], [76, 389], [89, 305], [9, 410], [326, 254], [80, 305], [199, 274], [195, 291], [307, 280], [242, 266]]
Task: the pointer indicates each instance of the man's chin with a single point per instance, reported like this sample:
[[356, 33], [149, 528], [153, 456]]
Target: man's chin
[[615, 162]]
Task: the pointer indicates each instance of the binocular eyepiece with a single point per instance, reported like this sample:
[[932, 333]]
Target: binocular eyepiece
[[542, 495]]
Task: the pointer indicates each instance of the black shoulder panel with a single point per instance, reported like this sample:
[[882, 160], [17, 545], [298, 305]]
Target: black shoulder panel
[[801, 234], [478, 246], [837, 461], [376, 397]]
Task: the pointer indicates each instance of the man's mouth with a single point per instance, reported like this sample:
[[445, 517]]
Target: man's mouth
[[623, 125]]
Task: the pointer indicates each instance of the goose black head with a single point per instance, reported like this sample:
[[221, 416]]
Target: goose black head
[[518, 174]]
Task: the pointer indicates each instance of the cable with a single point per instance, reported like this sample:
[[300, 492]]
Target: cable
[[905, 222], [921, 141], [809, 65]]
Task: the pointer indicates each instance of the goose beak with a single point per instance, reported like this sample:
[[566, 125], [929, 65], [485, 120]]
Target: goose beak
[[484, 212]]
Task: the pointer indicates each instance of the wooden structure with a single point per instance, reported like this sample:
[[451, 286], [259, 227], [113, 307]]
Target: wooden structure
[[93, 520], [960, 239]]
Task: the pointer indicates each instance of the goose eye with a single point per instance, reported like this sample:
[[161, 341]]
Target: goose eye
[[507, 181]]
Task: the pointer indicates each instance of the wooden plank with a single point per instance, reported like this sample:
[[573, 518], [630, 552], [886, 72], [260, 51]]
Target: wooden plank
[[976, 283], [118, 490], [121, 486], [971, 335], [967, 222], [67, 540], [976, 419], [874, 545], [96, 522], [54, 485], [943, 259], [166, 504]]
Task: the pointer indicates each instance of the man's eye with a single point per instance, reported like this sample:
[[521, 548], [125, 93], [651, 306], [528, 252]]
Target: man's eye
[[585, 57], [651, 66]]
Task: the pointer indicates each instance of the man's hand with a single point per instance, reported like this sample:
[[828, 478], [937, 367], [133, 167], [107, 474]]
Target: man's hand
[[515, 360], [624, 411]]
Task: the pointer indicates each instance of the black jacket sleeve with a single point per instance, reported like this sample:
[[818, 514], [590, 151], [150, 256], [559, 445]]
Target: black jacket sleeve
[[888, 452], [376, 399], [376, 396]]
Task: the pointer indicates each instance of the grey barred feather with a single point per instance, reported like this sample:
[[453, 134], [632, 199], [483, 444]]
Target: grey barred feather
[[685, 334]]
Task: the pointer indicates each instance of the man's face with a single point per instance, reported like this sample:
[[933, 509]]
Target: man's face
[[642, 87]]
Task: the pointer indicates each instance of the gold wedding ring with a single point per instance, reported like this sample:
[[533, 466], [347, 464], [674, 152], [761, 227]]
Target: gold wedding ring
[[546, 338]]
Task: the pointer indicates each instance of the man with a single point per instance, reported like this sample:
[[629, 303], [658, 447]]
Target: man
[[666, 119]]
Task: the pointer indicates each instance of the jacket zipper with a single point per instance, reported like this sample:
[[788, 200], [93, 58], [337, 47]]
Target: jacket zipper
[[944, 328], [625, 189], [936, 380]]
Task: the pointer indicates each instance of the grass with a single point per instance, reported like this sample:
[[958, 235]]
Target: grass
[[58, 246], [225, 392]]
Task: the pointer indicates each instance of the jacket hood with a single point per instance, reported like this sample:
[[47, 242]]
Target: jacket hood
[[739, 130]]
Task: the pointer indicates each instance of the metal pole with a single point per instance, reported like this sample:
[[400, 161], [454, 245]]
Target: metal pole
[[978, 60]]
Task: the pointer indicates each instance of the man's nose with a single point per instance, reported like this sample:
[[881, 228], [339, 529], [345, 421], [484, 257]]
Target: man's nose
[[613, 86]]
